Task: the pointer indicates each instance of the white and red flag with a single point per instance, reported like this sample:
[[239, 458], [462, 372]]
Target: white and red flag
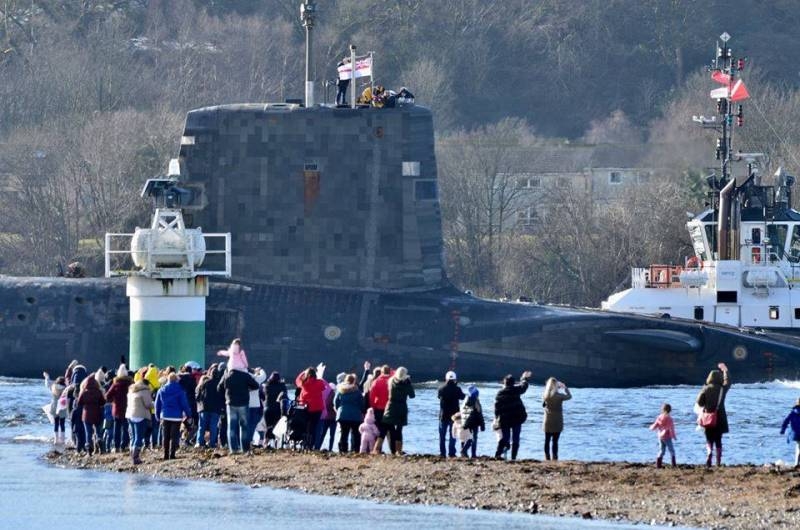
[[363, 68], [737, 92]]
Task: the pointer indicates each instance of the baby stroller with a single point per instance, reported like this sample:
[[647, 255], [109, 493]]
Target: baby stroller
[[292, 428]]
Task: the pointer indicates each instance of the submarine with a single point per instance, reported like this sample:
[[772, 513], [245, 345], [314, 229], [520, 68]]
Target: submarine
[[337, 256]]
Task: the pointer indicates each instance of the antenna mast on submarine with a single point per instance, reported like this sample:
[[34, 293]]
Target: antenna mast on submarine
[[307, 12]]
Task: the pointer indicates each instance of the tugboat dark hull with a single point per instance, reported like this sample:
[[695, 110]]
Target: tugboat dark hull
[[46, 323]]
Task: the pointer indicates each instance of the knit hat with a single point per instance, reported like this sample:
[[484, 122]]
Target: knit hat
[[401, 374], [450, 376], [122, 371], [473, 391]]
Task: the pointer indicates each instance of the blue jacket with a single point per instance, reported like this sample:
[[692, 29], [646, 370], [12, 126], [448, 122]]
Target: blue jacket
[[348, 403], [792, 419], [171, 402]]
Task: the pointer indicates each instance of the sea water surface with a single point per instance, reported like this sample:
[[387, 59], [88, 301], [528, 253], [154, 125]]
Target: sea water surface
[[600, 424]]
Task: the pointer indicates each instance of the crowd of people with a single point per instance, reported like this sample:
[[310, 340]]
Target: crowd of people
[[233, 406]]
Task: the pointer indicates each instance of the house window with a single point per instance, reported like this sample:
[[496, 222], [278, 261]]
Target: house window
[[410, 169], [526, 183], [527, 216], [774, 312], [425, 190], [562, 182], [615, 177]]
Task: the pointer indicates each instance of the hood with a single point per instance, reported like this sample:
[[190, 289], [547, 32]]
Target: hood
[[369, 417], [138, 387], [345, 388], [123, 380], [152, 376], [78, 374]]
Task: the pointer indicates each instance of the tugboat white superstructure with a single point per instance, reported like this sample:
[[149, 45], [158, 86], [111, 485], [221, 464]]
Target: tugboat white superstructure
[[747, 245]]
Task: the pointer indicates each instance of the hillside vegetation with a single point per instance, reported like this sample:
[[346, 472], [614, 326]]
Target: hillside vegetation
[[93, 94]]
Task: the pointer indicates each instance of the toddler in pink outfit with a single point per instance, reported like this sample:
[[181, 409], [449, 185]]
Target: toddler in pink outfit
[[665, 428], [237, 359], [369, 432]]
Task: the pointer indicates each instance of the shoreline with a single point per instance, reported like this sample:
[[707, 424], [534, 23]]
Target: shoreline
[[741, 496]]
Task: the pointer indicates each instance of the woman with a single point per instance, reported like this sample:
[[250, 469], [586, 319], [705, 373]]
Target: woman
[[712, 399], [137, 412], [554, 395], [56, 412], [210, 404], [91, 401], [172, 408], [348, 402], [395, 416], [311, 390], [272, 406], [509, 412]]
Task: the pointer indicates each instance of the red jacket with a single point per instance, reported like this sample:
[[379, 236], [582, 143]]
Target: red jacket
[[379, 392], [311, 392], [118, 396]]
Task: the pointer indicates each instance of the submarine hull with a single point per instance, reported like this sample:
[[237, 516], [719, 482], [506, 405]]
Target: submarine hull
[[290, 328]]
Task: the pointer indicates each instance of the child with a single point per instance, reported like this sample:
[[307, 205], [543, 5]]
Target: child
[[369, 432], [666, 433], [793, 419], [108, 428], [237, 359], [461, 433], [472, 420], [57, 410]]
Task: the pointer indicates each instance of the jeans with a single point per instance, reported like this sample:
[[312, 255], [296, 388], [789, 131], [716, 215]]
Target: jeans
[[237, 429], [121, 437], [348, 430], [254, 415], [138, 429], [78, 430], [663, 445], [446, 429], [551, 440], [91, 430], [510, 432], [208, 422], [323, 428], [59, 424], [171, 431]]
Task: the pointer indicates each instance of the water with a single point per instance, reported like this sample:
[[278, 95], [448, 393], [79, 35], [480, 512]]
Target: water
[[600, 424]]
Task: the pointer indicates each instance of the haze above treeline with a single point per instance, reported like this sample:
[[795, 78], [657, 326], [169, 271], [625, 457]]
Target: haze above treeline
[[93, 96]]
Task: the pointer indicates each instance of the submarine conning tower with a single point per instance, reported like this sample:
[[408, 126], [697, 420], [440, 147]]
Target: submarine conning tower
[[321, 196]]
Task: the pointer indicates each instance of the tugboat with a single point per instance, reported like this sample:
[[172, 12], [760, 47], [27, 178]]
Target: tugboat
[[746, 259]]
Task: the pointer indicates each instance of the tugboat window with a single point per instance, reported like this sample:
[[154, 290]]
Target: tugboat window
[[774, 312], [777, 238], [797, 313], [794, 249], [698, 312]]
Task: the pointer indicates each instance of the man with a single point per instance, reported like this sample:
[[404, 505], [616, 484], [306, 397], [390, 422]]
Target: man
[[237, 386], [342, 84], [450, 394]]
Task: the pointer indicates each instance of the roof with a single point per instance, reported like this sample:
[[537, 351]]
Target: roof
[[575, 159]]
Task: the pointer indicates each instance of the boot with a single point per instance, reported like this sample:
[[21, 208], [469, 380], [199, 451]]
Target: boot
[[500, 448], [658, 462], [398, 448], [137, 452], [719, 455], [709, 454], [514, 450], [378, 449], [673, 461]]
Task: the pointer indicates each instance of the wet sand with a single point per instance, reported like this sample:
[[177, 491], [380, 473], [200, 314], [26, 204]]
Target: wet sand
[[727, 497]]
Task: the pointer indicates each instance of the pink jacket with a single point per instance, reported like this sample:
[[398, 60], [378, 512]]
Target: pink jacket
[[665, 427], [369, 432], [237, 359]]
